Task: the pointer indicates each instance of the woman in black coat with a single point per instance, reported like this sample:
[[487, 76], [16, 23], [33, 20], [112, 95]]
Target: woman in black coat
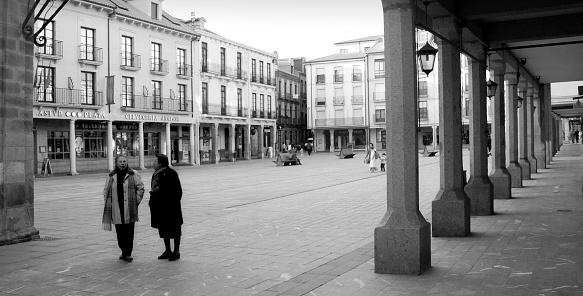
[[165, 207]]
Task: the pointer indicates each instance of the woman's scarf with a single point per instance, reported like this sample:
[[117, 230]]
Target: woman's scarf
[[132, 201], [156, 178]]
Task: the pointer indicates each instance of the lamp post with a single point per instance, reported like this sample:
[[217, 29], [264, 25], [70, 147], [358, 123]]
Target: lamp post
[[28, 30]]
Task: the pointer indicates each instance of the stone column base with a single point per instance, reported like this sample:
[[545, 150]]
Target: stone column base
[[23, 235], [541, 162], [480, 191], [515, 171], [525, 165], [399, 250], [501, 181], [533, 164], [450, 214]]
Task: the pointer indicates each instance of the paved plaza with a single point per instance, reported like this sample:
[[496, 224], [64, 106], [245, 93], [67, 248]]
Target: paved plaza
[[252, 228]]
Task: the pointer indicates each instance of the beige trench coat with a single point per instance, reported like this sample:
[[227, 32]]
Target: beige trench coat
[[139, 189]]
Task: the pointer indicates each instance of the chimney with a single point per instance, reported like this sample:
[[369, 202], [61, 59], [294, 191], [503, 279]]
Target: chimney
[[197, 23]]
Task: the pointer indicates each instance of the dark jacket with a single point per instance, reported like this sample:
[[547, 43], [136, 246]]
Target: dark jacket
[[164, 203]]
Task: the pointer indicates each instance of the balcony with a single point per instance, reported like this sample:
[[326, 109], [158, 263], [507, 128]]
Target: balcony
[[338, 101], [155, 103], [64, 97], [379, 74], [90, 55], [183, 71], [159, 67], [130, 61], [341, 121], [379, 96], [357, 100], [53, 50], [380, 120], [218, 109], [218, 70]]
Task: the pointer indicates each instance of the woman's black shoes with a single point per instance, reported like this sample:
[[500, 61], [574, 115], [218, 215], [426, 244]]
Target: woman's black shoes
[[174, 257], [165, 255]]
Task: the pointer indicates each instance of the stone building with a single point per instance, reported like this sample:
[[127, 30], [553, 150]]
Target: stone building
[[291, 102]]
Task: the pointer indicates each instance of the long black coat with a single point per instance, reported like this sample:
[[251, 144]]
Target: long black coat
[[164, 203]]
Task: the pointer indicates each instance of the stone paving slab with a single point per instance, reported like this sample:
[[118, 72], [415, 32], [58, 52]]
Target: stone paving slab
[[252, 228]]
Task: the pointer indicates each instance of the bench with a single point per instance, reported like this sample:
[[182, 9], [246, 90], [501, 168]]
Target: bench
[[286, 159], [346, 152], [426, 153]]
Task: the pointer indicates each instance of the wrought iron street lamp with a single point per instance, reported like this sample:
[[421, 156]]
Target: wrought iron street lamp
[[28, 30], [519, 102], [427, 53], [491, 88]]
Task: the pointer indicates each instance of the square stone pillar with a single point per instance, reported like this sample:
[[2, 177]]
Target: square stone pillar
[[72, 149], [539, 130], [141, 164], [479, 188], [547, 121], [522, 128], [451, 207], [193, 139], [247, 142], [402, 240], [530, 129], [332, 141], [110, 145], [215, 157], [499, 175], [232, 142], [513, 166], [260, 142]]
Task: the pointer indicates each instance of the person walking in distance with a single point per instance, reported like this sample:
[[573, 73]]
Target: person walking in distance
[[165, 207], [383, 161], [122, 193]]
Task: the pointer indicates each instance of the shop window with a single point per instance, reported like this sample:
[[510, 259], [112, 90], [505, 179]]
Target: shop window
[[58, 145], [90, 144], [126, 143], [151, 143]]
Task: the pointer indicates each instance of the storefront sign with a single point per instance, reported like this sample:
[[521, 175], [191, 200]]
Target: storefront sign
[[90, 125], [151, 117], [133, 126], [70, 114]]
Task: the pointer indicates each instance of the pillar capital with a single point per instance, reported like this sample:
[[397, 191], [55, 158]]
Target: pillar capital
[[511, 77], [476, 49], [499, 67], [522, 84]]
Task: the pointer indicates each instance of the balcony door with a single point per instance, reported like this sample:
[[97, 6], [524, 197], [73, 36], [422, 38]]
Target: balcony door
[[87, 44], [87, 88]]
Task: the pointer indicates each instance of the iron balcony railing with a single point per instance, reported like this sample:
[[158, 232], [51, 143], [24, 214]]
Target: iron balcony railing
[[155, 103], [158, 66], [52, 50], [217, 69], [183, 70], [379, 96], [341, 121], [90, 54], [380, 119], [67, 97], [225, 110], [130, 61], [338, 101], [357, 100]]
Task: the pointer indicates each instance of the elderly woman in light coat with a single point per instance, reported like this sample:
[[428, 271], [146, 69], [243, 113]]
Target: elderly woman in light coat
[[123, 193]]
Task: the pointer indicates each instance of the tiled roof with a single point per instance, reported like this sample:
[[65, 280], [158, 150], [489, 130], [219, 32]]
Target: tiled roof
[[378, 47], [339, 56], [363, 39]]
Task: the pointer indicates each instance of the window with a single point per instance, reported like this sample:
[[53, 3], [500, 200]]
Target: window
[[261, 103], [94, 142], [125, 143], [254, 104], [422, 88], [379, 68], [269, 73], [239, 102], [58, 145], [239, 66], [223, 100], [151, 143], [223, 61], [87, 88], [157, 94], [321, 97], [45, 81], [379, 115], [181, 61], [366, 48], [261, 71], [356, 73], [49, 34], [156, 63], [268, 103], [253, 73], [338, 75], [154, 10], [422, 109], [205, 98], [320, 76], [127, 92], [344, 50], [467, 109], [204, 57], [127, 50], [87, 44], [182, 97]]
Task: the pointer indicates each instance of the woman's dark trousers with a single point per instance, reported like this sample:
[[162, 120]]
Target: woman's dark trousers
[[125, 238]]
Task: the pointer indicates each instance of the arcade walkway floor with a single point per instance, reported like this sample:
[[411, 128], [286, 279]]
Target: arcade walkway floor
[[252, 228]]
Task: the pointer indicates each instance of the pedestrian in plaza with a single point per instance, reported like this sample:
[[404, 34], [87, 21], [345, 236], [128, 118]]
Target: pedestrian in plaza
[[383, 161], [309, 148], [165, 207], [122, 193], [372, 158]]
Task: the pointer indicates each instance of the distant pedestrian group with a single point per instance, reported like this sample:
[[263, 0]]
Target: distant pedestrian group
[[374, 159], [575, 137], [123, 193]]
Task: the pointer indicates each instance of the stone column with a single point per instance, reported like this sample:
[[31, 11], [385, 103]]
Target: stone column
[[402, 240], [499, 175], [260, 142], [192, 153], [547, 121], [522, 136], [530, 129], [451, 207], [513, 167], [72, 151], [141, 164], [479, 189], [215, 157], [539, 134], [276, 145], [566, 131], [169, 143], [247, 145], [16, 127], [232, 142], [350, 136], [435, 145], [110, 145], [197, 143], [332, 141]]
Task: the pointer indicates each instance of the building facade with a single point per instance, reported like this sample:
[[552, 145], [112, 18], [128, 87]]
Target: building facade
[[291, 101]]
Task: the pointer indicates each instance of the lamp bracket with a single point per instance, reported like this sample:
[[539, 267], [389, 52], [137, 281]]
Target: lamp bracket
[[28, 30]]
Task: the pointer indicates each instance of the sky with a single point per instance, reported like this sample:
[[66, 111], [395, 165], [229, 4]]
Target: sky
[[297, 28]]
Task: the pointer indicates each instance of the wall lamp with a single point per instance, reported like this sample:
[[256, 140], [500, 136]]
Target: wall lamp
[[519, 102], [491, 86], [427, 53], [28, 30]]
